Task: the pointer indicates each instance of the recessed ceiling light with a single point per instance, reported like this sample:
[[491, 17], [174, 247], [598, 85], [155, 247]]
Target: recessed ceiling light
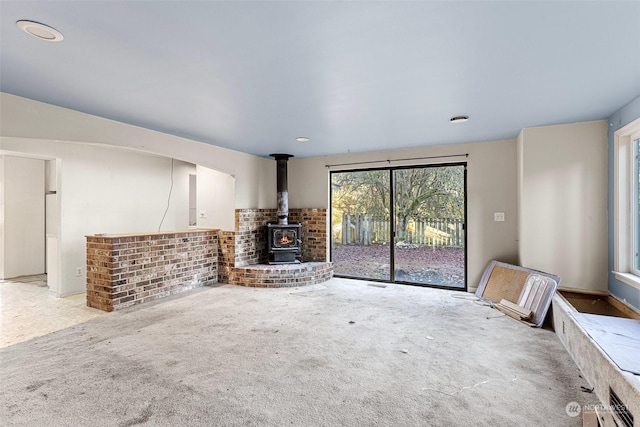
[[302, 139], [459, 119], [40, 31]]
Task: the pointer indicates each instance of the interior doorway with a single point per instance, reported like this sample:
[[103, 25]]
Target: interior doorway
[[402, 225], [30, 207], [23, 212]]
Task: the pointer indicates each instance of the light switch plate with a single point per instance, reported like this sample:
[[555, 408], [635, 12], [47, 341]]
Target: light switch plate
[[498, 216]]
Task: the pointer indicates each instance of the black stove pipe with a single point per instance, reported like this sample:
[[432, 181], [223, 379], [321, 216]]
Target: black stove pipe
[[281, 187]]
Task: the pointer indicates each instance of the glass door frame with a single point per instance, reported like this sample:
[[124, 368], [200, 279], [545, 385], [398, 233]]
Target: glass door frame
[[392, 223]]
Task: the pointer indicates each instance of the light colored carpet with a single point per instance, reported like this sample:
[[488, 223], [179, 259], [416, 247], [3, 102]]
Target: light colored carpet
[[341, 353]]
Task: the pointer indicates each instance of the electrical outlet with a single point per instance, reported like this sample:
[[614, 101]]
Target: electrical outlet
[[79, 271], [203, 214], [498, 216]]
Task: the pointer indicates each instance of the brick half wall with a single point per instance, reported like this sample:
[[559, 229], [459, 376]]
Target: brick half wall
[[123, 270]]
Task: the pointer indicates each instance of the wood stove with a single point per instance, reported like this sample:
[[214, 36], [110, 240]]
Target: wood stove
[[284, 239], [284, 242]]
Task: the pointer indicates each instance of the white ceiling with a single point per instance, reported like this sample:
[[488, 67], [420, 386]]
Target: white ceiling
[[352, 76]]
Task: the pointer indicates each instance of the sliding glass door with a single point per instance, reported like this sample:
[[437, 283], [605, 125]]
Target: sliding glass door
[[402, 225], [360, 232], [429, 213]]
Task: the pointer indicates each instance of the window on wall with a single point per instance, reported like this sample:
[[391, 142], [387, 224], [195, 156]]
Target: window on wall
[[627, 204]]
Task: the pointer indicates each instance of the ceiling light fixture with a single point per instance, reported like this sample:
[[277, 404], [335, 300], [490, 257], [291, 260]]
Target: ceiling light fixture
[[302, 139], [40, 31], [459, 119]]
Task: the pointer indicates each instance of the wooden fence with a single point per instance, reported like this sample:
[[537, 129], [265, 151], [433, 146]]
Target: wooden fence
[[365, 230]]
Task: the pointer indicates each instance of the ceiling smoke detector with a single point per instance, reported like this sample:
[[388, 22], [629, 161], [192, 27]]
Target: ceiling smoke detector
[[40, 31], [459, 119]]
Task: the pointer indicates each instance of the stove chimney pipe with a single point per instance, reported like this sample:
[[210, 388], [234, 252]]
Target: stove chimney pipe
[[281, 187]]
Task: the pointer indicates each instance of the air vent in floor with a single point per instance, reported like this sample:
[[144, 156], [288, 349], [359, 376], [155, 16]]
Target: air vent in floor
[[620, 409]]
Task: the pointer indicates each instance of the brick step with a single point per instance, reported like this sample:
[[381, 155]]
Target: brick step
[[281, 276]]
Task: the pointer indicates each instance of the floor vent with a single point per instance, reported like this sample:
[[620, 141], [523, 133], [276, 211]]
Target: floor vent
[[620, 409]]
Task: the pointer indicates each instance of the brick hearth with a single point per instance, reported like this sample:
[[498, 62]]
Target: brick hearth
[[282, 276]]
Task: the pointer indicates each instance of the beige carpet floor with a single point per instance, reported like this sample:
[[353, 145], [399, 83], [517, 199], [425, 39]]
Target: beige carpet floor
[[340, 353]]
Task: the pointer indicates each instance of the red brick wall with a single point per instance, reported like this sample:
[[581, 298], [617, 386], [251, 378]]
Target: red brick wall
[[314, 232], [131, 269], [226, 254], [251, 237]]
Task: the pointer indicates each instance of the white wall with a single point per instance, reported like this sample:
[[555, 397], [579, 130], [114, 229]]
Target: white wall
[[115, 178], [24, 217], [255, 176], [112, 191], [107, 190], [562, 194], [2, 217], [491, 187], [215, 193]]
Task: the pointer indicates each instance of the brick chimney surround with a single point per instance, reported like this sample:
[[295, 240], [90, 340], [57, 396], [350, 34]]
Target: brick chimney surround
[[243, 256]]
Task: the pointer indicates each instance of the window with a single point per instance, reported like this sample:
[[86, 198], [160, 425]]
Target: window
[[627, 204]]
